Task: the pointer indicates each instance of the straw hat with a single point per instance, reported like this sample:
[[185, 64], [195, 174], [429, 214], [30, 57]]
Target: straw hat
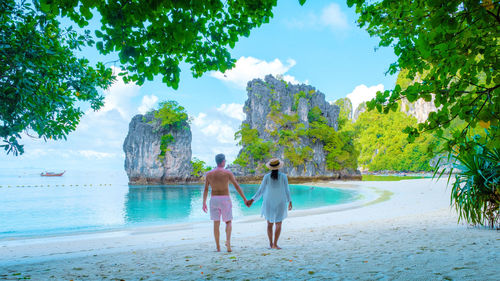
[[274, 164]]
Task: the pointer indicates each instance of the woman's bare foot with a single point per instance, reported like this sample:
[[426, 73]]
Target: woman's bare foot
[[228, 246], [271, 246], [218, 249], [276, 247]]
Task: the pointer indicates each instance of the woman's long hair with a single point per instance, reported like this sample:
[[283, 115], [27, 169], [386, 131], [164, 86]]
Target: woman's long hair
[[274, 174]]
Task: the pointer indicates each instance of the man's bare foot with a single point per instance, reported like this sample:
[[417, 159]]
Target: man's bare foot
[[228, 246], [218, 249], [276, 247], [271, 246]]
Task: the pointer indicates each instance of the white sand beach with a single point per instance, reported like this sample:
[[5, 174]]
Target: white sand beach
[[403, 231]]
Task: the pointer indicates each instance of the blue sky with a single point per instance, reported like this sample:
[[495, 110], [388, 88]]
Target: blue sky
[[317, 44]]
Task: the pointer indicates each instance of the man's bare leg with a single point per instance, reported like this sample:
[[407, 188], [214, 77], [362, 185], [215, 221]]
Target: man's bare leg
[[270, 233], [277, 233], [229, 227], [217, 234]]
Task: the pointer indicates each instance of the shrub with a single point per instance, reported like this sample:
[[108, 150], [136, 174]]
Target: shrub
[[476, 190], [199, 167], [172, 114], [254, 147], [169, 115]]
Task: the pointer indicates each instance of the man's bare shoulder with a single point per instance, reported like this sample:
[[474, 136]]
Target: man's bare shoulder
[[228, 172], [210, 174], [218, 172]]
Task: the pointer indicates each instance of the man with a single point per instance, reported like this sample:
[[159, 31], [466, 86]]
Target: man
[[220, 202]]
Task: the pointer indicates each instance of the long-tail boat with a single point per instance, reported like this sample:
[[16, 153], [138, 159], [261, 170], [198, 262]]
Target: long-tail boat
[[51, 174]]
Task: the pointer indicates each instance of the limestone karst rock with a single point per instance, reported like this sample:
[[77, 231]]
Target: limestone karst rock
[[142, 149], [420, 109], [271, 97]]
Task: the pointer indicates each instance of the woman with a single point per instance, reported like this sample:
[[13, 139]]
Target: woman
[[276, 194]]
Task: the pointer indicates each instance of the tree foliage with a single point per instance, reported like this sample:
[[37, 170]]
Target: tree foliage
[[41, 80], [450, 50], [255, 149], [339, 147], [199, 167], [384, 147], [154, 37], [169, 116]]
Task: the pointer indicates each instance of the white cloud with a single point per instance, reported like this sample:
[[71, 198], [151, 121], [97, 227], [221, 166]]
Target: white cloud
[[363, 93], [330, 16], [248, 68], [233, 110], [333, 17], [200, 119], [290, 79], [213, 132], [147, 103], [118, 96], [221, 131]]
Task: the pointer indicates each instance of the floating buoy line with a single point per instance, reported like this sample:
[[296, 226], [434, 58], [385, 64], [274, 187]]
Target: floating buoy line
[[58, 185]]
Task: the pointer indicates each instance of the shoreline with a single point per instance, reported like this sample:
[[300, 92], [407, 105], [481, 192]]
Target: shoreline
[[365, 195], [368, 196], [410, 235], [254, 179]]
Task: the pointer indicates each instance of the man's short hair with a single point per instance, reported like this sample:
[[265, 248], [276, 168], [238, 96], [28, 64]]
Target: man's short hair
[[219, 158]]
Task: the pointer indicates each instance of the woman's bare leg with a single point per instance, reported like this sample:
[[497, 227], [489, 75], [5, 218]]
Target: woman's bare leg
[[277, 233], [270, 233]]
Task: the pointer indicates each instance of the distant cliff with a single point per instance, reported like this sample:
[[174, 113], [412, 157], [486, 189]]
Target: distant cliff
[[419, 109], [156, 153], [292, 122], [360, 109]]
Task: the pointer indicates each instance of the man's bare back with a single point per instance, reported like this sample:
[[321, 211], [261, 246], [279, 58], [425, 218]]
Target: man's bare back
[[219, 179]]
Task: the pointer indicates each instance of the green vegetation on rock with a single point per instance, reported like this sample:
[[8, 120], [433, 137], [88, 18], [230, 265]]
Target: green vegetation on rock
[[339, 146], [255, 149], [296, 99], [170, 116], [199, 167], [345, 106], [384, 146]]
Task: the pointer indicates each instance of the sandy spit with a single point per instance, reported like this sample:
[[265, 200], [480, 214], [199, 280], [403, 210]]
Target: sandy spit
[[407, 231]]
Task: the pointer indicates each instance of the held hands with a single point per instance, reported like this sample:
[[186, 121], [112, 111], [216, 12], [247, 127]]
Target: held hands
[[249, 203], [205, 209], [290, 206]]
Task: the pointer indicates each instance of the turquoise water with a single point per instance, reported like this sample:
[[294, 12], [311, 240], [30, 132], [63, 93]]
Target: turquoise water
[[31, 205]]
